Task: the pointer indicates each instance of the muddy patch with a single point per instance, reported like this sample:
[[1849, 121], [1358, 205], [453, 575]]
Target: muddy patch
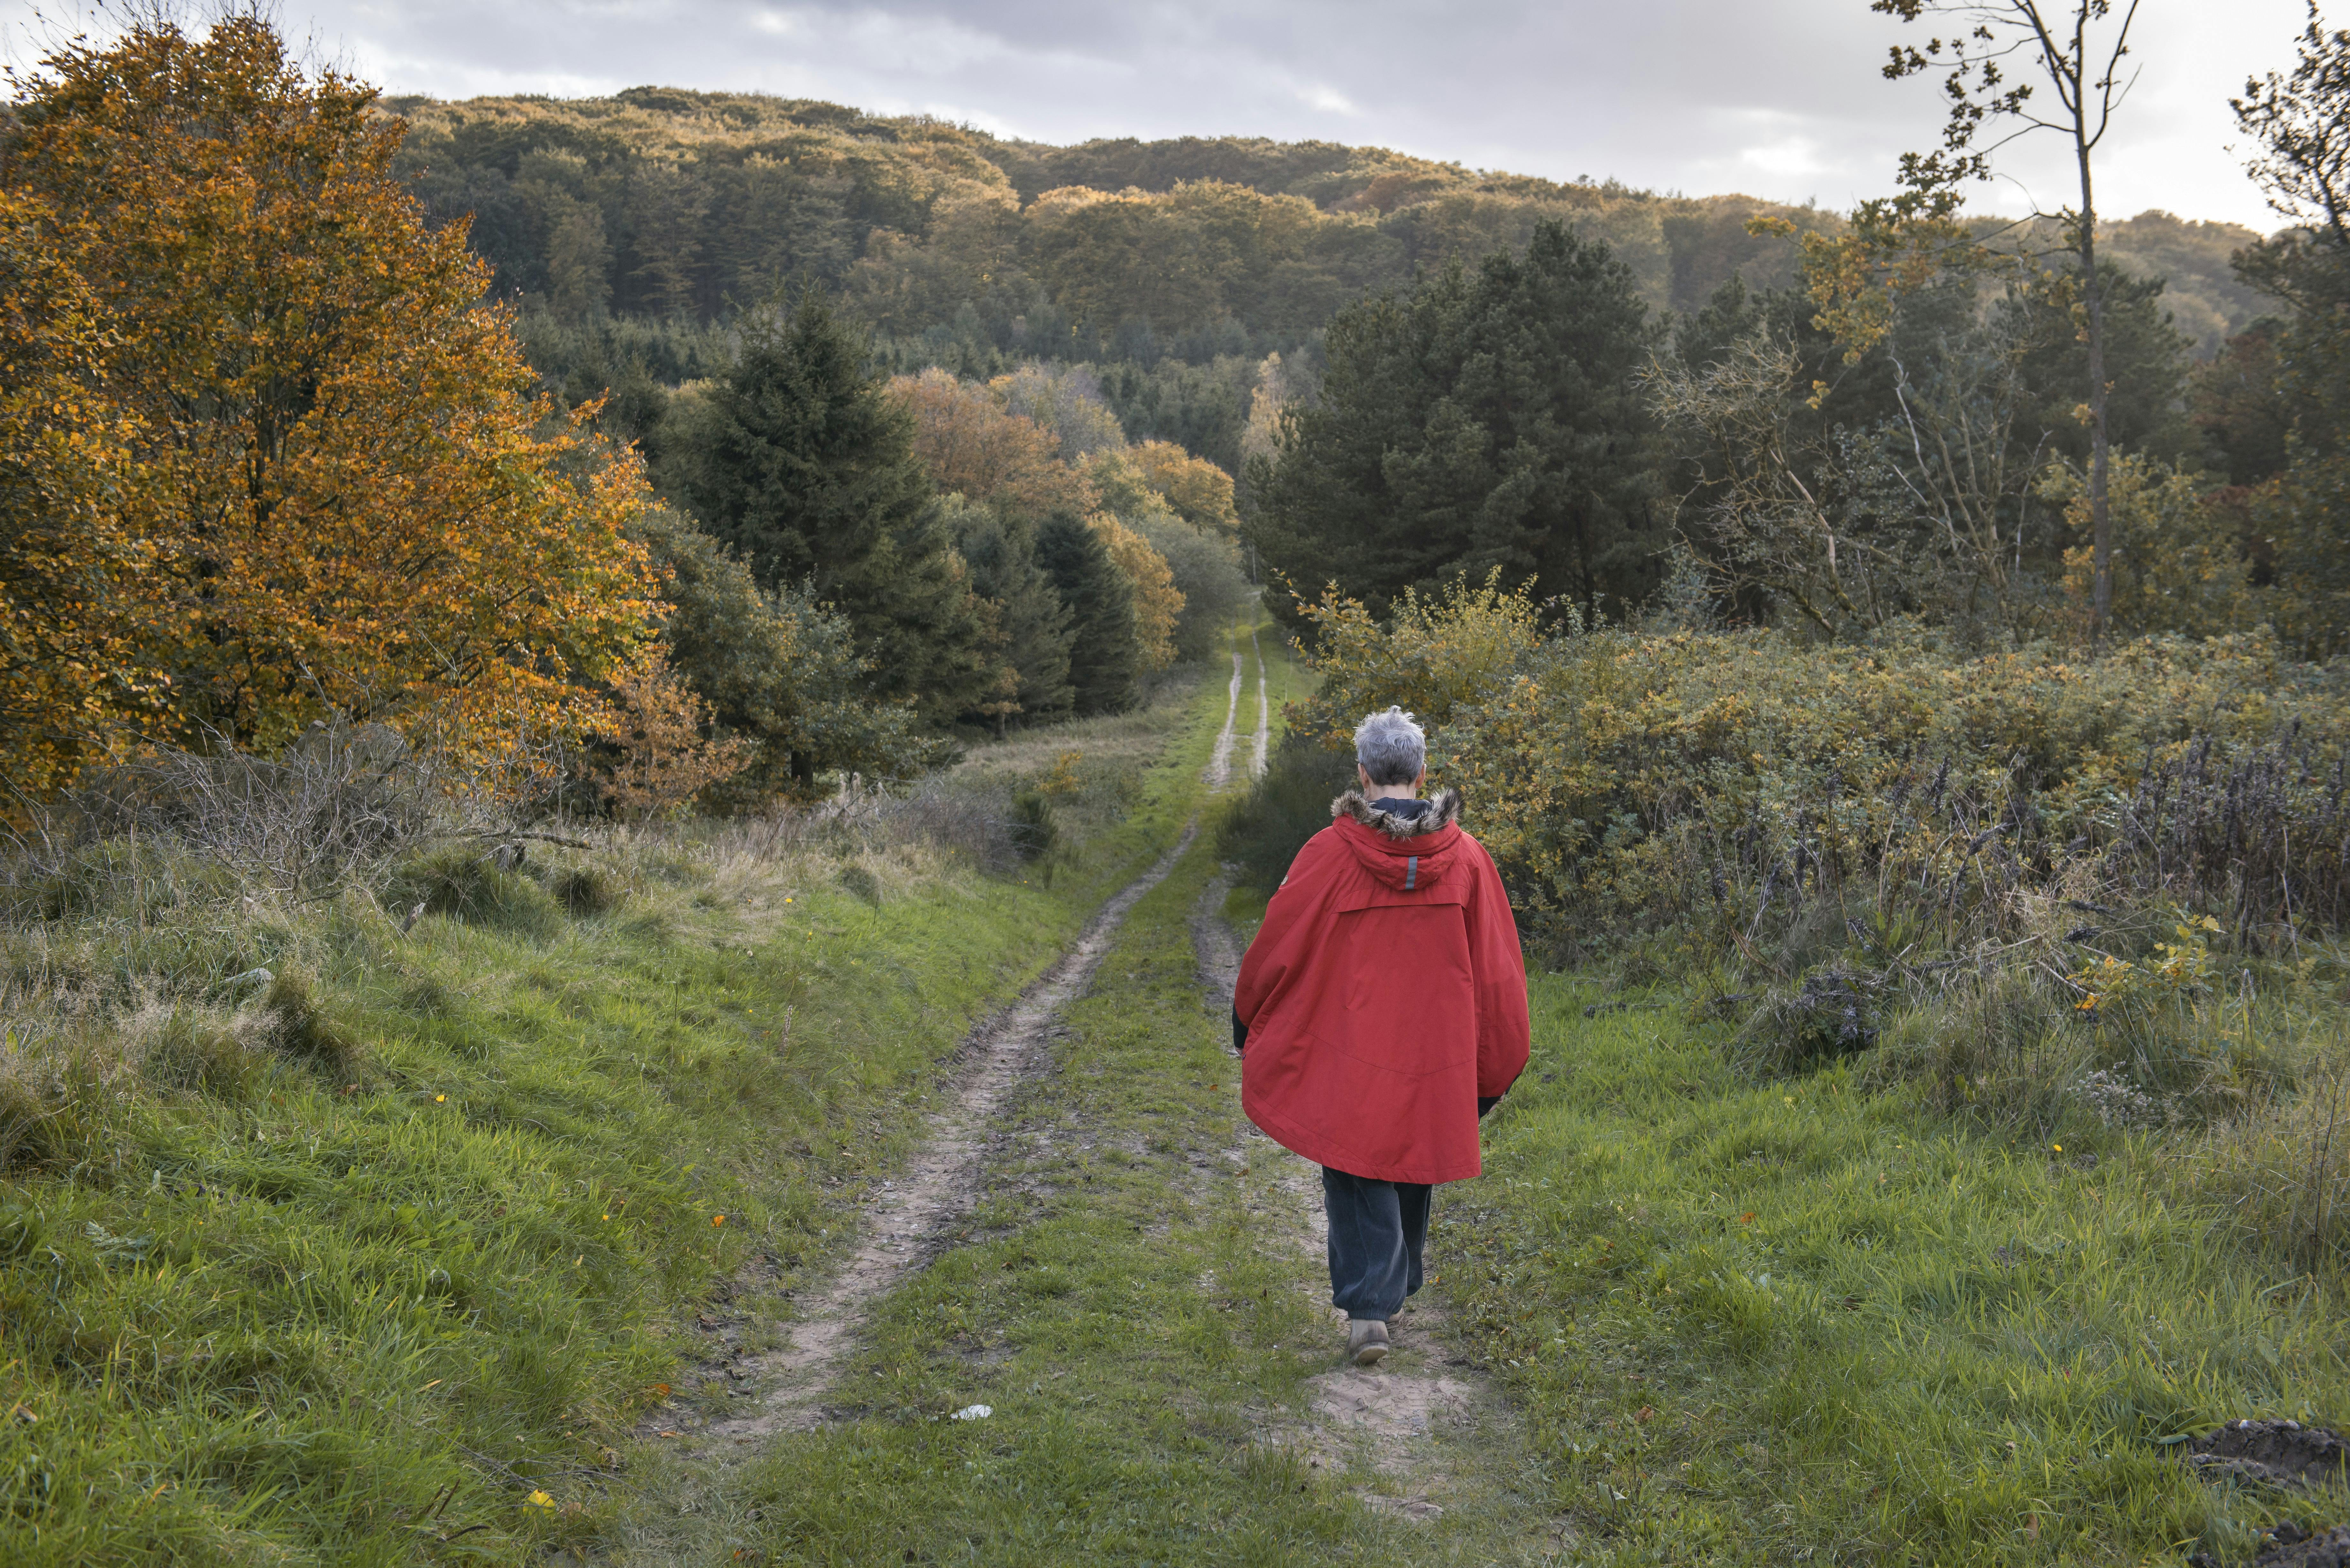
[[2278, 1453], [914, 1213], [2275, 1453]]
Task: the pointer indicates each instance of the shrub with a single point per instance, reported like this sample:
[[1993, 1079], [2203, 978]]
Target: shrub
[[1287, 806], [466, 885], [1032, 829]]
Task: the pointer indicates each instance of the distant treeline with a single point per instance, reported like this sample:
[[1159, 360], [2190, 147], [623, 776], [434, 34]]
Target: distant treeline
[[623, 224]]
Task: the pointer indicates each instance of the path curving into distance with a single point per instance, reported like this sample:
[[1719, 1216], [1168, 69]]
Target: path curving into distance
[[1264, 707], [1219, 771], [904, 1228]]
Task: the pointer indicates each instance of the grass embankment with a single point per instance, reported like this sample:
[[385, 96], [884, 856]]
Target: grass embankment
[[375, 1259], [1138, 1328], [1763, 1321]]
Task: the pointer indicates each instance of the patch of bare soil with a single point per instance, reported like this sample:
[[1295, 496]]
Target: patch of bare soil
[[1218, 772], [1390, 1423], [2290, 1546], [908, 1221], [2279, 1453]]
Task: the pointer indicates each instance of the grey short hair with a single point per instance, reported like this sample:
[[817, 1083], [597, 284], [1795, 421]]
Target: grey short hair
[[1392, 746]]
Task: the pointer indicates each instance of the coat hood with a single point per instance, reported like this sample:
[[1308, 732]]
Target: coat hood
[[1405, 853]]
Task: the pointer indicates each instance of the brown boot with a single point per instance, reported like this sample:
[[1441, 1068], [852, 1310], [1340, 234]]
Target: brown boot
[[1367, 1341]]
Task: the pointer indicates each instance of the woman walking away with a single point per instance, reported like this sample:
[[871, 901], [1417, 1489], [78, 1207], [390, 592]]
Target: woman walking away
[[1380, 1012]]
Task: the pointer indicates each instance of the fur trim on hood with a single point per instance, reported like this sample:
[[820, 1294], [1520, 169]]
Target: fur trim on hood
[[1443, 811]]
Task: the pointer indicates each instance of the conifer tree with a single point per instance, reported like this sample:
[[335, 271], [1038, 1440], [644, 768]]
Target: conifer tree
[[1103, 653], [776, 670], [799, 459], [1033, 624], [1487, 418]]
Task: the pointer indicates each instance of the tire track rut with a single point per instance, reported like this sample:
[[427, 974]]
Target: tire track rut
[[905, 1226], [1219, 771]]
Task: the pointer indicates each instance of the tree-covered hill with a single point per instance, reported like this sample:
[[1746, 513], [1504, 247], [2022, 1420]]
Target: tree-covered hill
[[965, 249]]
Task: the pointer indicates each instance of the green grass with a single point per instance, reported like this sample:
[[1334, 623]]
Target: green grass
[[345, 1266], [1760, 1322]]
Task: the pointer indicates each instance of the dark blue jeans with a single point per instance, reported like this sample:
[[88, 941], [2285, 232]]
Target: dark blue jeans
[[1377, 1229]]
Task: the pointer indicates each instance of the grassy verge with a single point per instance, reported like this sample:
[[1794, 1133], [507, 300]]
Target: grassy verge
[[1765, 1322], [374, 1258]]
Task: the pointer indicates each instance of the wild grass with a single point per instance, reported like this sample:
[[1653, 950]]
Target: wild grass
[[1801, 1319], [363, 1223]]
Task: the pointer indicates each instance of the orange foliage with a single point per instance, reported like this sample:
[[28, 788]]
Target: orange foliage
[[344, 495], [1157, 602], [665, 758], [72, 575], [970, 445], [1195, 490]]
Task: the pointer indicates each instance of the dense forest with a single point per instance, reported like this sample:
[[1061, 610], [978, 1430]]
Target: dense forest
[[623, 224]]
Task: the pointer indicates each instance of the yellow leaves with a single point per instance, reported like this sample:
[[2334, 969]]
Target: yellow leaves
[[1062, 781], [658, 727], [972, 446], [342, 495], [1157, 602]]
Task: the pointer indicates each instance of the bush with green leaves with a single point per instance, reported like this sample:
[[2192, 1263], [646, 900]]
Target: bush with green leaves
[[781, 670], [1207, 571]]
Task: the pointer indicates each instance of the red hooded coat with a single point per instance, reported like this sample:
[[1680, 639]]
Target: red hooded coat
[[1384, 994]]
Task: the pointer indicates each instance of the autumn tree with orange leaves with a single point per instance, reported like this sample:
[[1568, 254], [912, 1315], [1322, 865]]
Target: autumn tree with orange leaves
[[276, 424]]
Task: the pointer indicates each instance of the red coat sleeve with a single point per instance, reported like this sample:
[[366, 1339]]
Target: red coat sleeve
[[1498, 964]]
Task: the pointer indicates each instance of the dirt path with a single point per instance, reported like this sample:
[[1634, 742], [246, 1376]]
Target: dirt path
[[1264, 705], [1391, 1425], [906, 1224], [1218, 772]]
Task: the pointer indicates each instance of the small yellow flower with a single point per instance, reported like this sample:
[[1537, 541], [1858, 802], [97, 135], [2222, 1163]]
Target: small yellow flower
[[716, 1219], [608, 1216], [439, 1098], [2057, 1147], [540, 1499]]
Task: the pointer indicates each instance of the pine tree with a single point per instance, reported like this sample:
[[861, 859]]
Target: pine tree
[[1034, 626], [799, 459], [1487, 418], [1104, 654], [777, 670]]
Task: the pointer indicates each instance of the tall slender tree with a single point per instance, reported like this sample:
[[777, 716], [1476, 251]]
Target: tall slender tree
[[1103, 651], [2076, 48]]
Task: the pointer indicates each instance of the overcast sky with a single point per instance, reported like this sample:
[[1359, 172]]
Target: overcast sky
[[1773, 98]]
